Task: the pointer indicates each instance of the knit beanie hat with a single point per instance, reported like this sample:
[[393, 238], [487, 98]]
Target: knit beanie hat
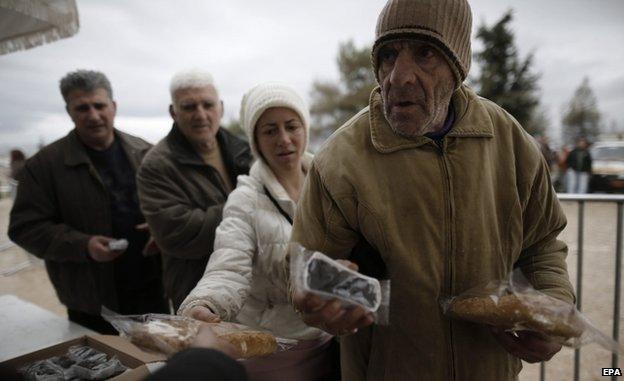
[[265, 96], [446, 24]]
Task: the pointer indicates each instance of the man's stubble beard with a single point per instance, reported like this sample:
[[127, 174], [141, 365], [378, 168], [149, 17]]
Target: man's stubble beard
[[437, 115]]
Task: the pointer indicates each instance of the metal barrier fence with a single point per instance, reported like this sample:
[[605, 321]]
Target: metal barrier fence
[[581, 199]]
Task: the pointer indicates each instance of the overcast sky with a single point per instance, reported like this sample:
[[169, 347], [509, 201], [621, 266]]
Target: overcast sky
[[139, 44]]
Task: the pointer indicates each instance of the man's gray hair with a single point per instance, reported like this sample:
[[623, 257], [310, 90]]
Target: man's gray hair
[[191, 79], [85, 80]]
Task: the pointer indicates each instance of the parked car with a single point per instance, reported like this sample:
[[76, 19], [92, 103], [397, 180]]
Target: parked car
[[607, 167]]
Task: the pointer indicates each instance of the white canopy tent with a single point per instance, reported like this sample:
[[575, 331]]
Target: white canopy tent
[[28, 23]]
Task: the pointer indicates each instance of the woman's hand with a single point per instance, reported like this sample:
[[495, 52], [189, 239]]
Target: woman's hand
[[204, 314]]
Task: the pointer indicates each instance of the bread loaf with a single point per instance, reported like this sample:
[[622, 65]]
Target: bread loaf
[[538, 312], [251, 343], [165, 336]]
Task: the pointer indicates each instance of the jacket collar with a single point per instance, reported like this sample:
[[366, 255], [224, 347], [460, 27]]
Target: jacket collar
[[263, 173], [470, 121], [76, 154], [234, 150]]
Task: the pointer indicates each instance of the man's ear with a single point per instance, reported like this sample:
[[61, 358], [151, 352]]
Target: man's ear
[[69, 113], [221, 116], [172, 112], [114, 108]]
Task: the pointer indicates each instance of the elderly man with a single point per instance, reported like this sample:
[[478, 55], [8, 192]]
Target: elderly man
[[185, 180], [449, 190], [78, 194]]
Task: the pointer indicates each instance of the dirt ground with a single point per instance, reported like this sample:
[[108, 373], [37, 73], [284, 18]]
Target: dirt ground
[[25, 276]]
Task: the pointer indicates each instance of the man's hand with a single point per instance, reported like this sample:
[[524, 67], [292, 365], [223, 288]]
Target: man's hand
[[207, 339], [330, 315], [150, 248], [529, 346], [97, 247], [204, 314]]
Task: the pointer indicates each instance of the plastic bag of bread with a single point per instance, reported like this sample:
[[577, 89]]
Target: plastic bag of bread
[[515, 305], [249, 342], [169, 334], [160, 333], [316, 273]]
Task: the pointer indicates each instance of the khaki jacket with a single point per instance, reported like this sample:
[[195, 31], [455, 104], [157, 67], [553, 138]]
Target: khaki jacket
[[61, 202], [182, 200], [444, 219]]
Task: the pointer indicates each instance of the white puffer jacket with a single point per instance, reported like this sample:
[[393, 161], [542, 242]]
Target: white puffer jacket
[[245, 280]]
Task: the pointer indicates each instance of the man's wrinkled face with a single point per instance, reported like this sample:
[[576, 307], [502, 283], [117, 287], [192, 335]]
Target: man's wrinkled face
[[416, 86], [197, 112], [93, 114]]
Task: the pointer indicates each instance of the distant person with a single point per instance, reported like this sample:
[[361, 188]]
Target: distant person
[[17, 161], [185, 180], [579, 164], [77, 195], [562, 168], [549, 155], [243, 281]]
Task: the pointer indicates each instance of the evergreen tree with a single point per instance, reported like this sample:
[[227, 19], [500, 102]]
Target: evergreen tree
[[505, 78], [235, 127], [332, 104], [581, 117]]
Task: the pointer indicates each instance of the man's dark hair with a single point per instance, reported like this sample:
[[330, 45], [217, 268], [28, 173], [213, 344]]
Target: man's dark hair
[[85, 80]]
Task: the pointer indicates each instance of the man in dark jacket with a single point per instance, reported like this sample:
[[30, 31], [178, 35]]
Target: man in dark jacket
[[579, 163], [185, 180], [75, 197]]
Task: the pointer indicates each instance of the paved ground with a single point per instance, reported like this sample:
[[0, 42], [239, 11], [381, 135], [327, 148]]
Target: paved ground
[[32, 284]]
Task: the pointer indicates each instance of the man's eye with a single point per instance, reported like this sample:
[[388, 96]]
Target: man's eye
[[82, 108], [188, 107], [387, 55], [99, 106], [426, 52]]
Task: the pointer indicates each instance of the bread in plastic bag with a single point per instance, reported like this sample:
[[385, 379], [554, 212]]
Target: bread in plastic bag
[[161, 333], [513, 304], [249, 342], [316, 273], [168, 334]]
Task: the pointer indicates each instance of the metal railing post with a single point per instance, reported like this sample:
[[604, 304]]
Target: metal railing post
[[618, 281], [579, 280]]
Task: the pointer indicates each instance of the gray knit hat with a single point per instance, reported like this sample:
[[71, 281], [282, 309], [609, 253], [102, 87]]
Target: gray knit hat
[[265, 96], [446, 24]]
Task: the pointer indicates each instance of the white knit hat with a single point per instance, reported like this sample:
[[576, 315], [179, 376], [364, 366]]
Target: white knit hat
[[265, 96]]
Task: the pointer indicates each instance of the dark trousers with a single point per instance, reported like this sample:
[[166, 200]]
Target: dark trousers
[[150, 300]]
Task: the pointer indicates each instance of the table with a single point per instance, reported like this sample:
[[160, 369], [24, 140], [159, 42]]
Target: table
[[26, 327]]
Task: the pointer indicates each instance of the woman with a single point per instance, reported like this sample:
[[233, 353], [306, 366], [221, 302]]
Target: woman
[[245, 280]]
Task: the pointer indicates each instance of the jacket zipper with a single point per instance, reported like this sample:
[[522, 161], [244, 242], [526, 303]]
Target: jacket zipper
[[449, 240]]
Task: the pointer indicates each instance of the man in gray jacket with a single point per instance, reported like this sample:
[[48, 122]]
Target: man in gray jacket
[[185, 180], [75, 197]]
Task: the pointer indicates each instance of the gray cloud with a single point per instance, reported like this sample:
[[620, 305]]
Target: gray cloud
[[140, 44]]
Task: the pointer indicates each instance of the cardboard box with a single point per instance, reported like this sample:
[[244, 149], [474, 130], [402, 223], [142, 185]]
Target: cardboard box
[[129, 354]]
